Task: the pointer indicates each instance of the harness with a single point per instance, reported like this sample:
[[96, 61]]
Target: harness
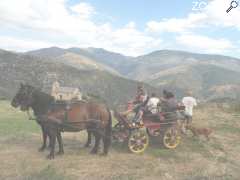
[[63, 122]]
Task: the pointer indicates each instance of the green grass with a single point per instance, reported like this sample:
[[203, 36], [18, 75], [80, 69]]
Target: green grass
[[18, 135], [13, 122]]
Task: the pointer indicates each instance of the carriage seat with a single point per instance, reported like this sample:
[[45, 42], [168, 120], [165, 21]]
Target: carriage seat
[[158, 117], [152, 117]]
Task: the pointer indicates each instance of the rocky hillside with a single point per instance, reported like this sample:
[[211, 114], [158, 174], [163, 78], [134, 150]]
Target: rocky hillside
[[16, 68], [120, 63], [209, 76]]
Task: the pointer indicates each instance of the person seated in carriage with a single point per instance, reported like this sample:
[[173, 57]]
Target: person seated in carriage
[[169, 106], [140, 100], [149, 107], [141, 95], [152, 104]]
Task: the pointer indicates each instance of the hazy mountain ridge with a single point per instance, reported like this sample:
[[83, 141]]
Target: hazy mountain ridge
[[165, 59], [180, 71], [121, 63], [83, 63], [114, 61], [47, 52], [176, 70], [16, 68]]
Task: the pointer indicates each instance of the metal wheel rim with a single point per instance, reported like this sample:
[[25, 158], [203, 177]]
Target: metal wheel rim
[[171, 140], [138, 142]]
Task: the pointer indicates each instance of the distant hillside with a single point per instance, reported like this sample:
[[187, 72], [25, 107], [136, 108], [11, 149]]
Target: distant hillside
[[120, 63], [83, 63], [208, 76], [47, 52], [181, 71], [16, 68]]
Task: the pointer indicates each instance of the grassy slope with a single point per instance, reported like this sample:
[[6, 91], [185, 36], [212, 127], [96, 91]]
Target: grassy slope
[[194, 159]]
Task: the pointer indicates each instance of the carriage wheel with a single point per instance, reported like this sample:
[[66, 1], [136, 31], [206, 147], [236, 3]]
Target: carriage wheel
[[152, 134], [171, 138], [138, 141]]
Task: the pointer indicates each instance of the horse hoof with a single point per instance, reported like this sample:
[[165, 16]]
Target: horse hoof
[[60, 153], [50, 156]]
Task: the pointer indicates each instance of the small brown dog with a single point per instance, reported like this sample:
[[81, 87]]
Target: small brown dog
[[200, 131]]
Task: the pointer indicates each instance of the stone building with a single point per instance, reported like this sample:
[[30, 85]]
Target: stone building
[[65, 93]]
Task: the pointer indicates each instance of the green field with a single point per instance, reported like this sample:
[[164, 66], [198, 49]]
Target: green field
[[194, 158]]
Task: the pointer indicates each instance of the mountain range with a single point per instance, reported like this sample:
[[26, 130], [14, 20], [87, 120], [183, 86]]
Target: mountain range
[[208, 76], [114, 76], [91, 77]]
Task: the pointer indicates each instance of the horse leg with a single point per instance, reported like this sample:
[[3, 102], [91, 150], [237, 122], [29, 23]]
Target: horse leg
[[107, 136], [89, 139], [97, 141], [44, 136], [106, 145], [106, 140], [49, 145], [52, 136], [60, 143]]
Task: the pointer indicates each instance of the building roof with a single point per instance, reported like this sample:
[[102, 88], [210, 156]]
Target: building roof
[[67, 90]]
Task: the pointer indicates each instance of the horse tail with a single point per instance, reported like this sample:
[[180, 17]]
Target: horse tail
[[108, 132]]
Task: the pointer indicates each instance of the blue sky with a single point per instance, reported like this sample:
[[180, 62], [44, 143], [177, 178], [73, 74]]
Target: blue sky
[[139, 11], [133, 27]]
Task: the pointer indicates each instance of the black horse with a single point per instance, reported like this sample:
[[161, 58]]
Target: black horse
[[40, 103], [93, 117]]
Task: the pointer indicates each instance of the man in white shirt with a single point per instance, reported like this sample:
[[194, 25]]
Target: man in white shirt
[[152, 105], [189, 102]]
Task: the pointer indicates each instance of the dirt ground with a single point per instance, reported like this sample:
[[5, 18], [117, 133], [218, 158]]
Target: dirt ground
[[193, 159]]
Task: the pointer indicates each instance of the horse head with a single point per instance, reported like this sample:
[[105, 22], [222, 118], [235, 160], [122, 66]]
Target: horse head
[[24, 97]]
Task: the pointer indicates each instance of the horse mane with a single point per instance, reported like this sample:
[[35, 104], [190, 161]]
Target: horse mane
[[42, 101]]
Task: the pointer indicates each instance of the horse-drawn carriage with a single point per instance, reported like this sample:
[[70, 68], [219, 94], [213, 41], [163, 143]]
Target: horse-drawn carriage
[[96, 118], [157, 125]]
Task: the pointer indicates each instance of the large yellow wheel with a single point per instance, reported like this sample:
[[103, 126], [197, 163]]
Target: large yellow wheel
[[138, 141], [171, 138]]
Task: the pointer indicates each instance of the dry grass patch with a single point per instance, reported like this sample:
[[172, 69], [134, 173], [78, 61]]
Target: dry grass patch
[[194, 159]]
